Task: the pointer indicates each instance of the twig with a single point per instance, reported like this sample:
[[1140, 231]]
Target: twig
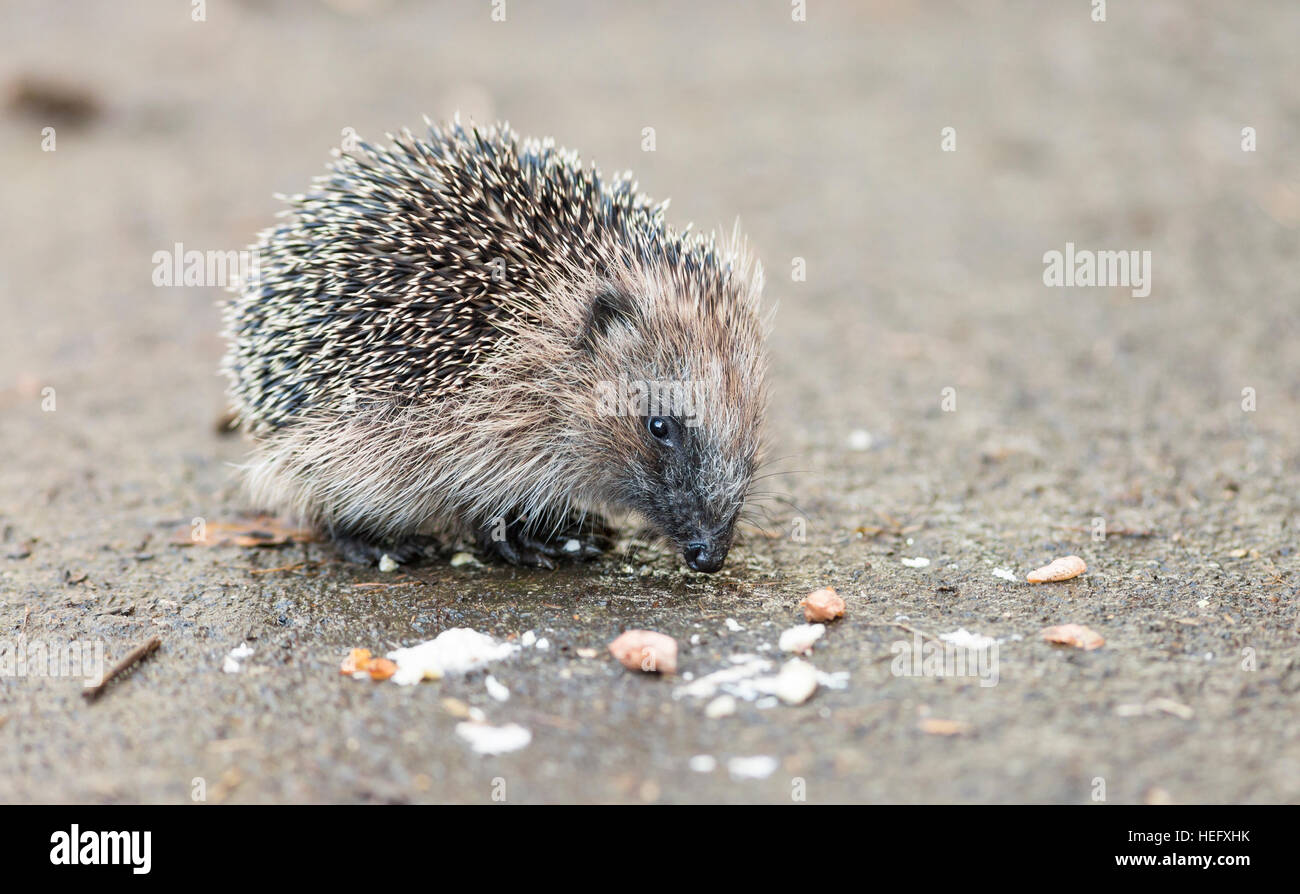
[[1117, 532], [137, 654], [293, 567], [908, 627]]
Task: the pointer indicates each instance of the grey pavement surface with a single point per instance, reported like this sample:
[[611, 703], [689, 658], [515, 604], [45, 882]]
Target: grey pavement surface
[[924, 273]]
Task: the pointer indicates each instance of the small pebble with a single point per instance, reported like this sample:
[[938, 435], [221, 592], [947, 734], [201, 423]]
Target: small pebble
[[1075, 635], [1059, 569], [822, 605], [646, 651]]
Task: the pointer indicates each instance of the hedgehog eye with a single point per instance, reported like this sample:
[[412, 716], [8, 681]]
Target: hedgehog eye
[[660, 427]]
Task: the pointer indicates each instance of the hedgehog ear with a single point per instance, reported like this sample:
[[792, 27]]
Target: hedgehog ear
[[609, 307]]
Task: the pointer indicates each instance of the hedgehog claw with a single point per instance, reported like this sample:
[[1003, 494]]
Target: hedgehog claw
[[368, 551], [516, 551]]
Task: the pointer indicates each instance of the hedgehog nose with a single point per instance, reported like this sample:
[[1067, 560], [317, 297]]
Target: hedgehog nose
[[702, 556]]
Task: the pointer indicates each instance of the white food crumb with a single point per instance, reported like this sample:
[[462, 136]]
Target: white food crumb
[[1006, 574], [964, 639], [464, 559], [495, 689], [732, 625], [387, 564], [796, 682], [528, 638], [703, 763], [454, 651], [801, 637], [860, 439], [486, 739], [239, 653], [732, 680], [722, 706], [758, 767], [747, 678], [835, 680], [918, 562]]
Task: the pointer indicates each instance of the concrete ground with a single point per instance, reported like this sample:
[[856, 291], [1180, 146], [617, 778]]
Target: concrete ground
[[924, 272]]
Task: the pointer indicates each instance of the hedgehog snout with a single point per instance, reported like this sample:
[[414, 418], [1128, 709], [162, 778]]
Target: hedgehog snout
[[706, 550], [705, 555]]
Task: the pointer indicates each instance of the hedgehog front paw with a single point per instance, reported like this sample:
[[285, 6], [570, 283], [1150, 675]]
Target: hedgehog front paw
[[580, 538], [369, 550]]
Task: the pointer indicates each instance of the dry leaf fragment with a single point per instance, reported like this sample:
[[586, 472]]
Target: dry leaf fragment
[[1075, 635], [647, 651], [822, 605], [1059, 569], [262, 530]]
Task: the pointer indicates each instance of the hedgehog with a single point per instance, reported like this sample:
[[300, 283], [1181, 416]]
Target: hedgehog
[[471, 336]]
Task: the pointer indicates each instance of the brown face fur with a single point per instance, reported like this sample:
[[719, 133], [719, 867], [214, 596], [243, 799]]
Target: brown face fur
[[670, 401]]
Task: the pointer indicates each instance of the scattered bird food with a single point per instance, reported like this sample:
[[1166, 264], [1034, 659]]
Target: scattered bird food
[[454, 651], [359, 664]]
